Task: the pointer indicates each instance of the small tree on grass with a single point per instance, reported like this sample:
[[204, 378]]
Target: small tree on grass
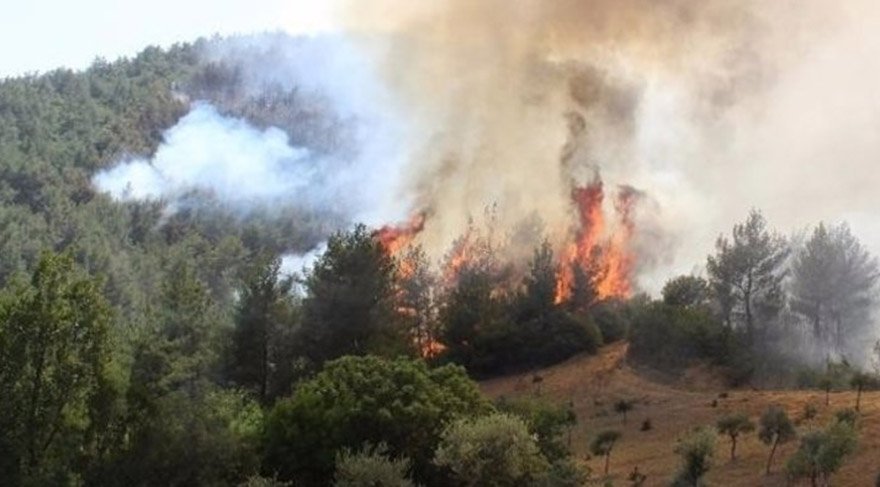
[[776, 428], [734, 425], [603, 444], [826, 383], [624, 406], [861, 381], [696, 451], [822, 453]]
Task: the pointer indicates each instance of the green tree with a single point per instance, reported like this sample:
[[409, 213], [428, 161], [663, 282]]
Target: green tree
[[696, 451], [686, 291], [603, 444], [262, 354], [834, 282], [54, 364], [495, 450], [775, 428], [348, 308], [860, 381], [746, 274], [733, 425], [822, 453], [358, 400], [371, 467]]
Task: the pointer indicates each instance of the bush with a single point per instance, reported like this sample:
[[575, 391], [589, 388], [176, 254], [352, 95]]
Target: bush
[[822, 453], [848, 416], [547, 421], [610, 319], [696, 451], [359, 400], [495, 450], [371, 467], [671, 337]]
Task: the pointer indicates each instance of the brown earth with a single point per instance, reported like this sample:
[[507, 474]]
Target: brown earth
[[593, 383]]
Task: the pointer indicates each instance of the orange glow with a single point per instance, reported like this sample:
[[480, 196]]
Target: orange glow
[[606, 258], [394, 238]]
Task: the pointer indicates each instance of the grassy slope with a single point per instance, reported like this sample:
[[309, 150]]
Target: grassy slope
[[593, 383]]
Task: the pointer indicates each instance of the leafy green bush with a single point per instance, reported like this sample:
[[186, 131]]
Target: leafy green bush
[[696, 451], [547, 421], [357, 400], [371, 467], [495, 450]]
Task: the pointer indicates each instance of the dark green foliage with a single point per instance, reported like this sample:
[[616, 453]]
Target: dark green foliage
[[822, 453], [348, 309], [357, 400], [603, 445], [611, 321], [733, 425], [696, 451], [672, 337], [848, 416], [686, 292], [775, 428], [547, 421], [55, 384], [371, 467], [263, 340]]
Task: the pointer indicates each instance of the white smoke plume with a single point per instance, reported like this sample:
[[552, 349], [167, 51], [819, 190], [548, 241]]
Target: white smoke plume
[[252, 168]]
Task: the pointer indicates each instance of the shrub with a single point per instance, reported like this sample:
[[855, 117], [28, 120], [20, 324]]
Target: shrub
[[546, 420], [495, 450], [610, 320], [696, 451], [371, 467], [822, 453], [359, 400]]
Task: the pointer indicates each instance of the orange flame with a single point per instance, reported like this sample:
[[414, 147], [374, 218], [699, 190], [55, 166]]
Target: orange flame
[[607, 260], [394, 238]]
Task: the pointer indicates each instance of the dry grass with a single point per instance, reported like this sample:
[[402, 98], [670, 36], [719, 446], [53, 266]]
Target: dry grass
[[593, 383]]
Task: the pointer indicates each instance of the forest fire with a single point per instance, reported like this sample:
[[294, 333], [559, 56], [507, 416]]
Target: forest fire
[[604, 259], [395, 238]]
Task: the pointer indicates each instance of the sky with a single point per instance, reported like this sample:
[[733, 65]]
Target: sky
[[40, 35]]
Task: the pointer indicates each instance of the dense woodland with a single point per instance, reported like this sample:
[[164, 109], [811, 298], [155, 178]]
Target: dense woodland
[[140, 346]]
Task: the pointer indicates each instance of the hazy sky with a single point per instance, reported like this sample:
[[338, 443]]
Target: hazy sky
[[39, 35]]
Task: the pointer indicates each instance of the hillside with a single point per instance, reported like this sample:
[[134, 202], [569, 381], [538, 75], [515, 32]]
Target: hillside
[[593, 383]]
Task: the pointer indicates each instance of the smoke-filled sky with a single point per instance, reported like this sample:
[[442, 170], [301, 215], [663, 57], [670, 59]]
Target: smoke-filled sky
[[709, 107]]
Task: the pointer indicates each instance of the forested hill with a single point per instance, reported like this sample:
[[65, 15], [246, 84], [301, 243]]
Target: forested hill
[[58, 129]]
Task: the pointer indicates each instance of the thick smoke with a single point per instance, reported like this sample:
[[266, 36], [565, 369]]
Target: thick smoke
[[710, 107], [707, 107]]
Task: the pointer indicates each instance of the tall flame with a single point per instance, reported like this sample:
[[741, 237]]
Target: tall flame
[[606, 259], [395, 238]]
